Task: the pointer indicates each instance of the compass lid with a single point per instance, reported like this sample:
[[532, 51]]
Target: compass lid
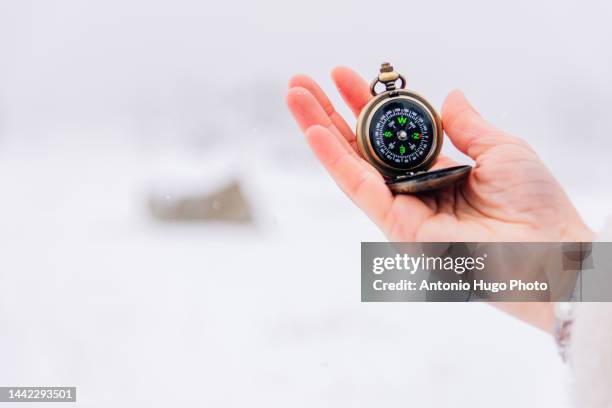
[[427, 180]]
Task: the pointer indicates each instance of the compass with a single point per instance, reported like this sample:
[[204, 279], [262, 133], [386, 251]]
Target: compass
[[401, 134]]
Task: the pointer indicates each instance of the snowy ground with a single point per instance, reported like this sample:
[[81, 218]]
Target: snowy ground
[[97, 295]]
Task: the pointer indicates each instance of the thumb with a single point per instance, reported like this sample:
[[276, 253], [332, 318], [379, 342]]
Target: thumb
[[467, 130]]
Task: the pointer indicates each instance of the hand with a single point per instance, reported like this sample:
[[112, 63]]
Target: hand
[[509, 195]]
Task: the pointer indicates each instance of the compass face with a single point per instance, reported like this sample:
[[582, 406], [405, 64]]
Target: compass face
[[402, 133]]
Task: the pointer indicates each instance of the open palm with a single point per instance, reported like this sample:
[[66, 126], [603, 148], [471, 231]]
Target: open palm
[[508, 196]]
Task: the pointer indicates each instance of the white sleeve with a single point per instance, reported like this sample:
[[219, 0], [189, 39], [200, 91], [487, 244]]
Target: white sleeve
[[590, 349]]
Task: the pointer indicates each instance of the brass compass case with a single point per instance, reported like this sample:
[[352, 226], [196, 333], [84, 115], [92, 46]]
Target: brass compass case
[[418, 126]]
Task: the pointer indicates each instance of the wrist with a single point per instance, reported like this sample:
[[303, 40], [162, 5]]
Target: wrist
[[537, 314], [580, 232]]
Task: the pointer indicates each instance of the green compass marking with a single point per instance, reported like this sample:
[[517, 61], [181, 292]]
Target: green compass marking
[[388, 134], [402, 149], [402, 120], [416, 136]]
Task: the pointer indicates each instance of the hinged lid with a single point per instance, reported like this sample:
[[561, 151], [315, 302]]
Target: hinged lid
[[427, 180]]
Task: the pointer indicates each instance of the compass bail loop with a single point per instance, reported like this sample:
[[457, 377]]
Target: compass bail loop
[[388, 77]]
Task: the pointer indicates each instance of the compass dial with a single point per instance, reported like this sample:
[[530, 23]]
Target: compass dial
[[402, 133]]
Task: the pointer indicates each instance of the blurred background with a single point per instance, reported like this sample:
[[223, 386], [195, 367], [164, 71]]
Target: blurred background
[[167, 238]]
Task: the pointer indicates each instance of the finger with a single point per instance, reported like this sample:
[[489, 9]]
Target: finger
[[467, 130], [366, 188], [304, 81], [308, 112], [352, 87]]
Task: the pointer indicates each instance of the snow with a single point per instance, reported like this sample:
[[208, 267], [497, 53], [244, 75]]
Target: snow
[[98, 295]]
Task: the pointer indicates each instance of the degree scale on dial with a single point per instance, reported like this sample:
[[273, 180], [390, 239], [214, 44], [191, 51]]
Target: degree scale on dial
[[401, 133]]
